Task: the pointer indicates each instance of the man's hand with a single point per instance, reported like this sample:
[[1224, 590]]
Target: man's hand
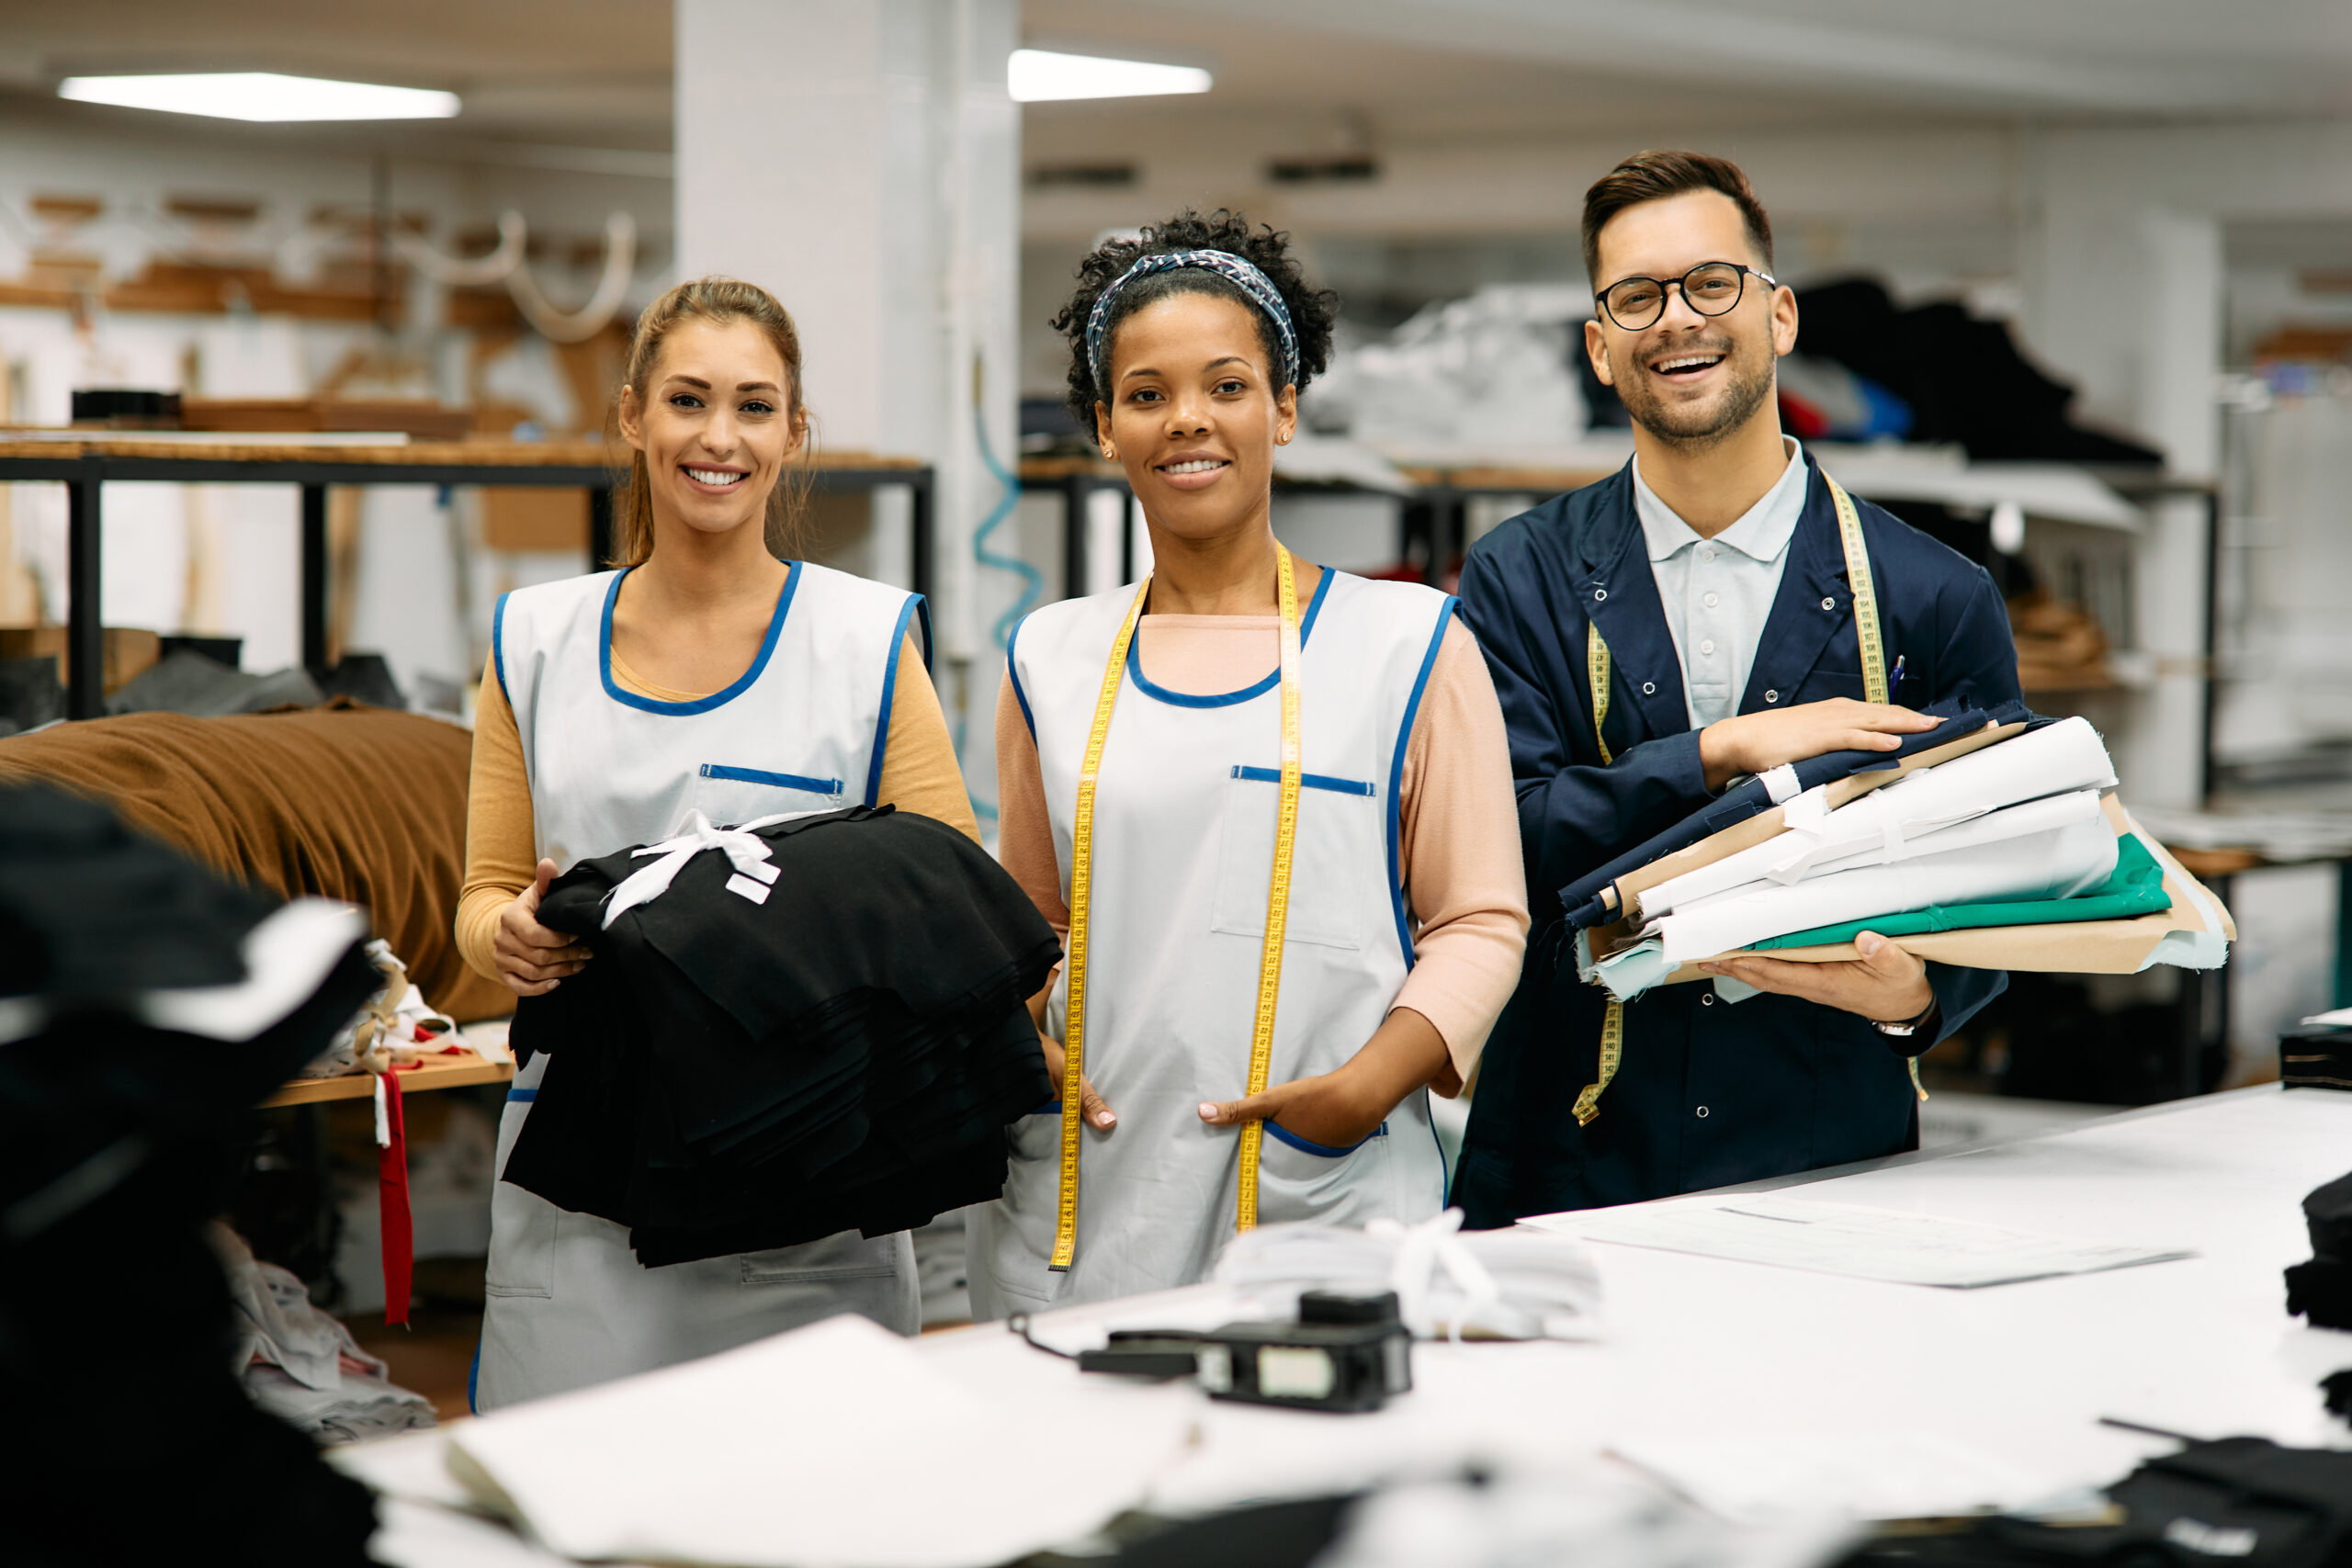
[[1342, 1108], [1886, 985], [1755, 741], [533, 960], [1090, 1104]]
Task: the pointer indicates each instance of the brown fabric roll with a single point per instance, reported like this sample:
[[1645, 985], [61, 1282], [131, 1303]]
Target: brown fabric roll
[[343, 801]]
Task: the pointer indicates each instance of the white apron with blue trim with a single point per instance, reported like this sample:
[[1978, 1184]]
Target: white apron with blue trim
[[568, 1304], [1183, 850]]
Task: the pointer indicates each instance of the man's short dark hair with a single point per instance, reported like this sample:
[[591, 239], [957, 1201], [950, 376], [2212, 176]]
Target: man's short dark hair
[[1654, 175]]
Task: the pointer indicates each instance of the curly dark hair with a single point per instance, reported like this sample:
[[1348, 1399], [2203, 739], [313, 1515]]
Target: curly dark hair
[[1312, 311]]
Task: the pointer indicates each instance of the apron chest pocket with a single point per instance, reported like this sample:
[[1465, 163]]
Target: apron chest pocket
[[1335, 897], [727, 794]]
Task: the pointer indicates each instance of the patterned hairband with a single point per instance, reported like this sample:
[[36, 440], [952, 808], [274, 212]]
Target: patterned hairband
[[1225, 265]]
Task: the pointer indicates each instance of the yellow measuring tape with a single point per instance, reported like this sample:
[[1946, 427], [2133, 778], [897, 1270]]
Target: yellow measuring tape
[[1612, 1023], [1872, 640], [1082, 865]]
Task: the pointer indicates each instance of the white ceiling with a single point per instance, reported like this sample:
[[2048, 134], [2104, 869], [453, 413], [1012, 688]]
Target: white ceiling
[[596, 73]]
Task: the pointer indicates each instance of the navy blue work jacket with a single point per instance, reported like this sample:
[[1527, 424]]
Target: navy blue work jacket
[[1707, 1092]]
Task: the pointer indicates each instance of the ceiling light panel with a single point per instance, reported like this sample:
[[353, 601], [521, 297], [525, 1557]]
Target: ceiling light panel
[[1038, 75], [261, 96]]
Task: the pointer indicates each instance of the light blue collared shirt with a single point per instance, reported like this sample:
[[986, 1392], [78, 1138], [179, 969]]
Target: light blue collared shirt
[[1718, 592]]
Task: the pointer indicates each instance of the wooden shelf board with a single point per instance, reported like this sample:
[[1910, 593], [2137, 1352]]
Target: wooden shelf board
[[434, 1072]]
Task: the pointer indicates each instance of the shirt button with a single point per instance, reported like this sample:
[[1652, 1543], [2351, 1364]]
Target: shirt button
[[1706, 554], [1702, 1114], [1712, 600], [1649, 688], [1708, 646]]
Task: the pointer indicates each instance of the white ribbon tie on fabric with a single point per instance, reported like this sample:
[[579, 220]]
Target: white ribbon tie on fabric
[[742, 846], [1422, 1249]]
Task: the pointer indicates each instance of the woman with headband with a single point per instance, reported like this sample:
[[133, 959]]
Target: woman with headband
[[1269, 804]]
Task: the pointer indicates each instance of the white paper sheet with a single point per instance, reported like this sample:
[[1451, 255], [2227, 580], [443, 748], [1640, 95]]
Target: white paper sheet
[[1894, 1474], [1866, 1243], [835, 1446]]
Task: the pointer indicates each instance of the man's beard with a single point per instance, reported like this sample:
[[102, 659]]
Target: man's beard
[[1699, 425]]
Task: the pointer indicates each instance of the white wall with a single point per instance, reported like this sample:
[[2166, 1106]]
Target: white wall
[[224, 559], [887, 217]]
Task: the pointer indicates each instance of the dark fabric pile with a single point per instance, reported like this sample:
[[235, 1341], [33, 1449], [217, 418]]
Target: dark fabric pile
[[729, 1076], [2239, 1500], [119, 1141], [2321, 1290], [2315, 1057], [1961, 375]]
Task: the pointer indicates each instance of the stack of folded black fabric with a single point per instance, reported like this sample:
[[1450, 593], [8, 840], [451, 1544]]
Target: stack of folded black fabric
[[146, 1007], [2321, 1290], [731, 1074]]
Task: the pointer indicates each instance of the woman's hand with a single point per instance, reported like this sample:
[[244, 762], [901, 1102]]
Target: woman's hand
[[1342, 1108], [1090, 1104], [532, 959]]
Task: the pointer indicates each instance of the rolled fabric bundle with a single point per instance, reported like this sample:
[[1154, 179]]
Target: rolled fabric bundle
[[1906, 819], [2067, 848]]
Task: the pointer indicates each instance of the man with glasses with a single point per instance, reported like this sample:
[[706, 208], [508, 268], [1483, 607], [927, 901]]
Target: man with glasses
[[1705, 588]]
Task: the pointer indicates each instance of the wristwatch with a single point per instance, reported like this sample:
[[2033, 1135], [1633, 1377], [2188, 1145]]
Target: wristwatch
[[1907, 1027]]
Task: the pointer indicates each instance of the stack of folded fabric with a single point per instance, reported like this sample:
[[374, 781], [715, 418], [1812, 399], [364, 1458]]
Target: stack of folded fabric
[[1998, 825], [790, 1029], [2321, 1290], [146, 1007], [1500, 1284]]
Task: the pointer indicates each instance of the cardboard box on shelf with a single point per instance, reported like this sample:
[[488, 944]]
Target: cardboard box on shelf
[[129, 650], [527, 517]]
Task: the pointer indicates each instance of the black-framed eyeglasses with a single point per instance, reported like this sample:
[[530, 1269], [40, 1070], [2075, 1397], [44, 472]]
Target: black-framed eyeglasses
[[1712, 288]]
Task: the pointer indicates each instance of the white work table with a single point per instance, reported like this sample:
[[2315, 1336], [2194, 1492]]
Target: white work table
[[1773, 1361], [1696, 1347]]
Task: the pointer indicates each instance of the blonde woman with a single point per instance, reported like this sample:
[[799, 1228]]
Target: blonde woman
[[706, 672]]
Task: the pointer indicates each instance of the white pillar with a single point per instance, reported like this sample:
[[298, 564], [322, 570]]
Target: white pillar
[[2181, 339], [861, 162]]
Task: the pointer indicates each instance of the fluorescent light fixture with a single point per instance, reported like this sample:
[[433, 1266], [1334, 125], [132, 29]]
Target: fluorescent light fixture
[[261, 94], [1037, 75]]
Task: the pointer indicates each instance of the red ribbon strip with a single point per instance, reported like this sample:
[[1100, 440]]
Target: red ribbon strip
[[391, 1206]]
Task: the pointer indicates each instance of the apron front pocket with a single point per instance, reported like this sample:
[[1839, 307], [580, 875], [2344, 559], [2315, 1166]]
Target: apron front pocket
[[522, 1225], [1302, 1180], [1335, 897]]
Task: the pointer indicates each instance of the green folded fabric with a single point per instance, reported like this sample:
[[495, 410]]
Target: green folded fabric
[[2136, 888]]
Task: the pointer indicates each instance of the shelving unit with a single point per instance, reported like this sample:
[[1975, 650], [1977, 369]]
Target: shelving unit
[[85, 463]]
